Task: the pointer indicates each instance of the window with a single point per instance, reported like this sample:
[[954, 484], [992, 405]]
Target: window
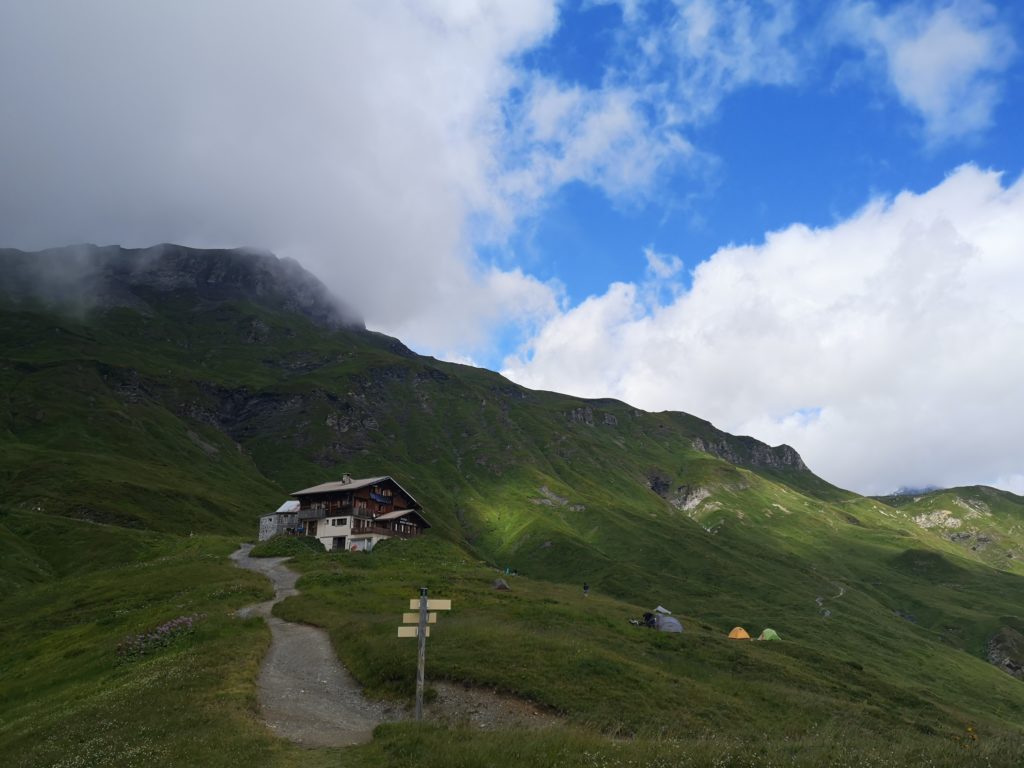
[[339, 521]]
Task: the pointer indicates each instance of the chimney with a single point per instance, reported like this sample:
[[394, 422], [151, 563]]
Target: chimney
[[346, 478]]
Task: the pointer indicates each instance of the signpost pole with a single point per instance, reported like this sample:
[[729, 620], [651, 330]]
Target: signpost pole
[[421, 662]]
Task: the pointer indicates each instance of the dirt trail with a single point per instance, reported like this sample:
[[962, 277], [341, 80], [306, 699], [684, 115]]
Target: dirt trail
[[305, 694], [820, 601]]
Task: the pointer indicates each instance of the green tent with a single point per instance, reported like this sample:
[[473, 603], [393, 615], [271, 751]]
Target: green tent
[[769, 634]]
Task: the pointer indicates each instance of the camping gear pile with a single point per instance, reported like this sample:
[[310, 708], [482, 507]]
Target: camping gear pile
[[660, 619]]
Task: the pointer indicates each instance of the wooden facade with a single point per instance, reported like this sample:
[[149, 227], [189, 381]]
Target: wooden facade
[[354, 514]]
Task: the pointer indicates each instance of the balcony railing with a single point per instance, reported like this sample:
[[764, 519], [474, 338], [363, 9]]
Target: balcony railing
[[382, 498], [319, 513], [380, 530]]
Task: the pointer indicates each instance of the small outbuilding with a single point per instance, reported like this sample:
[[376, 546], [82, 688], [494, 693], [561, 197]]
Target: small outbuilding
[[284, 520]]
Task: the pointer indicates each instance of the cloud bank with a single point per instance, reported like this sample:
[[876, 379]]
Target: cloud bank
[[378, 142], [382, 143], [358, 137], [883, 348]]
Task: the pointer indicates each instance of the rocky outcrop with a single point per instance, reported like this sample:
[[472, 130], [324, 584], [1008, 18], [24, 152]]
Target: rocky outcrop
[[589, 417], [976, 540], [659, 483], [687, 499], [940, 518], [972, 507], [84, 277], [583, 415], [748, 452], [1005, 650]]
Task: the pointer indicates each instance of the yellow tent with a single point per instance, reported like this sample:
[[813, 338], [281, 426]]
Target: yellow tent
[[739, 633]]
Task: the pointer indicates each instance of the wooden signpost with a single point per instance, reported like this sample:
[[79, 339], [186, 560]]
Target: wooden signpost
[[422, 631]]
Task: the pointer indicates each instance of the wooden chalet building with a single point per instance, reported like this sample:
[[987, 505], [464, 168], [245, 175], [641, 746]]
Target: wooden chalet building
[[354, 514]]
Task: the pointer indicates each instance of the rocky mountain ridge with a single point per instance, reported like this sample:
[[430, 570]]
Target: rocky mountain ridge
[[86, 277]]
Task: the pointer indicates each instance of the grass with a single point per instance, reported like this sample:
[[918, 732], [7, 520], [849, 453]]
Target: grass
[[627, 696], [432, 746], [121, 435], [69, 698], [544, 642], [287, 546]]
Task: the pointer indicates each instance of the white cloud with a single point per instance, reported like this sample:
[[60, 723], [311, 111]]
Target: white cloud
[[883, 348], [358, 137], [625, 136], [941, 59], [377, 142], [719, 47], [608, 137], [701, 51], [663, 266]]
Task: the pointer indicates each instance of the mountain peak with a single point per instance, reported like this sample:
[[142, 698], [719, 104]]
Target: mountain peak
[[87, 276]]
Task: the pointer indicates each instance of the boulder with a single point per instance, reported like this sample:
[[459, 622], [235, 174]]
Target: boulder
[[1006, 651]]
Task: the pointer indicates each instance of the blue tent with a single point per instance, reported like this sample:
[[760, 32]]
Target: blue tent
[[667, 624]]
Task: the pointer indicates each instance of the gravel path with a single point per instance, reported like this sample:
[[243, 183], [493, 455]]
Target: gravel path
[[305, 694]]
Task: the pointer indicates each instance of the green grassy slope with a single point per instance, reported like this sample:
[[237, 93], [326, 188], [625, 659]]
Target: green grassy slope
[[983, 523], [581, 657], [121, 433]]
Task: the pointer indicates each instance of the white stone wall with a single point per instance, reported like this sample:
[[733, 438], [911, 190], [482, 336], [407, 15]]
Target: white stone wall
[[273, 524], [328, 528], [268, 527]]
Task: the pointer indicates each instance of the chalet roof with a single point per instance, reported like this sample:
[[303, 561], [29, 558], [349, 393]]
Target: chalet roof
[[339, 485], [402, 513], [289, 506], [351, 485]]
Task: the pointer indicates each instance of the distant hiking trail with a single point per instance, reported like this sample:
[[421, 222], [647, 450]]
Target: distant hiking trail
[[308, 697], [820, 601]]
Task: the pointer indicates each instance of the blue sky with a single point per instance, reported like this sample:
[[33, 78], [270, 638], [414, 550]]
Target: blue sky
[[800, 220], [813, 151]]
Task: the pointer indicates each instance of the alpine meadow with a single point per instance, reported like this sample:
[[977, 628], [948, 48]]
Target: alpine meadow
[[148, 424], [511, 384]]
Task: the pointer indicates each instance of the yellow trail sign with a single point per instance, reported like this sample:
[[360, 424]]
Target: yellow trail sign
[[411, 631], [414, 618], [432, 605]]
